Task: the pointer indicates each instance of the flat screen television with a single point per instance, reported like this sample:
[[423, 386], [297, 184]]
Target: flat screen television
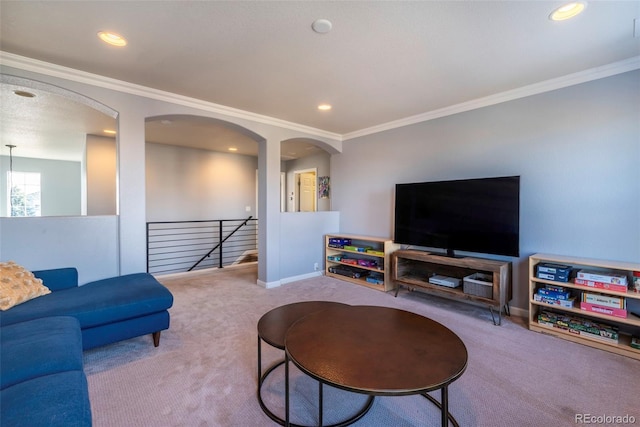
[[471, 215]]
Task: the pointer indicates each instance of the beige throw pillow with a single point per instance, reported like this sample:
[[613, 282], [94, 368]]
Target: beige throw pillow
[[18, 285]]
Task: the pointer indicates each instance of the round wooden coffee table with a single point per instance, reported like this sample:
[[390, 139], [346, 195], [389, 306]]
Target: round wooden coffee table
[[377, 351], [272, 328]]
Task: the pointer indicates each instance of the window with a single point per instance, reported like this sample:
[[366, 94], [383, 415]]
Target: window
[[23, 193]]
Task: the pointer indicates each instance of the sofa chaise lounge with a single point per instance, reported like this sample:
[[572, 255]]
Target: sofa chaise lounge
[[109, 310]]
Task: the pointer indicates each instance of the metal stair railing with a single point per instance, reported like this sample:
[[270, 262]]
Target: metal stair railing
[[219, 245], [177, 246]]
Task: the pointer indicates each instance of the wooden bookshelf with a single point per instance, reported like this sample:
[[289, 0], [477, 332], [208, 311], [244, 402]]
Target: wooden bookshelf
[[382, 249], [629, 326]]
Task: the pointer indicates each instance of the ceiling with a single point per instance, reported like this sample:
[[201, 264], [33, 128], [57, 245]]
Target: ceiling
[[47, 125], [381, 62]]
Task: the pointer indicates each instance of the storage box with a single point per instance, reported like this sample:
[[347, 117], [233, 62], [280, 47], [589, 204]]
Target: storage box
[[478, 284], [609, 311], [560, 269], [354, 248], [604, 300], [596, 276], [550, 293], [335, 242], [375, 252], [565, 303]]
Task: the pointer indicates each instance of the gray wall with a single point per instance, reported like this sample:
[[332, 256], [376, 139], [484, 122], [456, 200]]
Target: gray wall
[[59, 183], [88, 243], [302, 242], [184, 184], [577, 151]]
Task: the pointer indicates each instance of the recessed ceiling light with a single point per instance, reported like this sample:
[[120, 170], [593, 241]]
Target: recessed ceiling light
[[24, 93], [109, 131], [233, 149], [324, 107], [567, 11], [112, 38]]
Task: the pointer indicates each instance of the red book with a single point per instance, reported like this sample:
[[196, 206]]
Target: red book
[[601, 285]]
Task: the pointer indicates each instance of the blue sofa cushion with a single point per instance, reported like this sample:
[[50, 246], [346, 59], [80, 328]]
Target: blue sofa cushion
[[58, 278], [57, 400], [97, 303], [39, 347]]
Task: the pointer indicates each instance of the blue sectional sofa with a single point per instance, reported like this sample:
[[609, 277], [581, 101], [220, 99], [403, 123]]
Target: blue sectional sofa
[[42, 382]]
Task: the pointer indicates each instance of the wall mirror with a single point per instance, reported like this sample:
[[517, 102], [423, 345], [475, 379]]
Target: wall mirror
[[58, 151]]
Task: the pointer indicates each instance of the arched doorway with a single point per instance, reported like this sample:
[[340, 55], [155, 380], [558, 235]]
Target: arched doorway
[[305, 175], [201, 193]]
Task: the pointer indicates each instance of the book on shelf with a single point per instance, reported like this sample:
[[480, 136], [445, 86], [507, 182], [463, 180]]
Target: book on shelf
[[555, 288], [375, 278], [554, 293], [555, 272], [552, 276], [610, 301], [548, 267], [564, 303], [596, 337], [375, 252], [597, 276], [585, 334], [338, 243], [579, 326], [609, 311], [600, 285]]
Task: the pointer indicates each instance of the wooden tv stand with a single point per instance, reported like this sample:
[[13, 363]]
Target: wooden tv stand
[[413, 269]]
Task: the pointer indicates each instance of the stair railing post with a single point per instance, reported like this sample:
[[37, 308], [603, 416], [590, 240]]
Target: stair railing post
[[220, 239]]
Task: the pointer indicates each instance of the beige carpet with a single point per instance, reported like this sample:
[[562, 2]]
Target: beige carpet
[[205, 371]]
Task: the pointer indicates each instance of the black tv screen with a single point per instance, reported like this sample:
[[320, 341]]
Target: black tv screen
[[472, 215]]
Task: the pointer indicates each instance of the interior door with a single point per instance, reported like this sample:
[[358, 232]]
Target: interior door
[[307, 193]]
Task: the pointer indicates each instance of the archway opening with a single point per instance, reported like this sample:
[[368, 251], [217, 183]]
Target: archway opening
[[201, 193]]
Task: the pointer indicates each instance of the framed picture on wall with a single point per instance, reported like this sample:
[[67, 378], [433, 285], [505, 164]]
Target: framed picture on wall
[[323, 187]]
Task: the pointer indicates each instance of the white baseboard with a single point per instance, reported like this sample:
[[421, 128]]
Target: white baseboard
[[301, 277], [275, 284], [268, 285]]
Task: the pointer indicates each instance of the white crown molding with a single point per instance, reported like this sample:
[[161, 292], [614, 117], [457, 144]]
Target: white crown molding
[[53, 70], [608, 70], [41, 67]]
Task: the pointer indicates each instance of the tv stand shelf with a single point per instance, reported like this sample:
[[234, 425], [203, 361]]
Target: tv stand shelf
[[412, 269], [383, 248]]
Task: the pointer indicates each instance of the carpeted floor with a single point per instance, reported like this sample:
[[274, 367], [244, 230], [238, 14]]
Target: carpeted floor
[[205, 371]]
